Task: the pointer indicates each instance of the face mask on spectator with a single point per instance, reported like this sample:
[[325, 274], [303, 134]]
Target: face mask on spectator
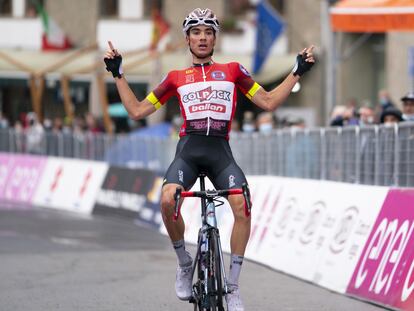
[[408, 117], [248, 128], [265, 127], [384, 101]]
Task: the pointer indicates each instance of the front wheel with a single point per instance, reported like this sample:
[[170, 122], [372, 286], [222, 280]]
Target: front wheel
[[217, 278], [212, 298]]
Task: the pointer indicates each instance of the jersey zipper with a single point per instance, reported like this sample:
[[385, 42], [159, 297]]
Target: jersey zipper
[[208, 118]]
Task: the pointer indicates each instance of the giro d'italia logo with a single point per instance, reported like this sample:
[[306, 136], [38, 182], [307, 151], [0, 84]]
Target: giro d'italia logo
[[244, 70]]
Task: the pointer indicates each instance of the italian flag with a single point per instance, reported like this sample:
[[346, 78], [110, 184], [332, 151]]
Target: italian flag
[[160, 32], [53, 37]]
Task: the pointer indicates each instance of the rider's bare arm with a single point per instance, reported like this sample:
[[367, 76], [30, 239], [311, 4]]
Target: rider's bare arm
[[269, 101], [136, 109]]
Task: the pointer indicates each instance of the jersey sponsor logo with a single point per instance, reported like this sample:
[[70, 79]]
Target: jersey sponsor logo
[[207, 106], [188, 71], [203, 124], [207, 94], [218, 75], [244, 70], [231, 182], [189, 78]]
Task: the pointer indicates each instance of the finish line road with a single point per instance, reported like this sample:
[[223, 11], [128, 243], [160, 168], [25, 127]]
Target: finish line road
[[52, 260]]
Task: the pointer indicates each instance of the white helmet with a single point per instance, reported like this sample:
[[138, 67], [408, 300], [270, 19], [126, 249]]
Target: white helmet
[[199, 16]]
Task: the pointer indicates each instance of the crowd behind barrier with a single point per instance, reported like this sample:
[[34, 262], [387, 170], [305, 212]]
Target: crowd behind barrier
[[373, 155]]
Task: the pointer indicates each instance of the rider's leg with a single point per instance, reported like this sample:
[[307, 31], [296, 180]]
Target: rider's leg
[[239, 236], [175, 229]]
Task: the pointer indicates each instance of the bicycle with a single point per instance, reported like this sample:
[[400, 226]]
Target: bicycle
[[211, 284]]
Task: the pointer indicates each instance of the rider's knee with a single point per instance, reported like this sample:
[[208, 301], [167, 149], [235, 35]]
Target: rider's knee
[[239, 209], [167, 200]]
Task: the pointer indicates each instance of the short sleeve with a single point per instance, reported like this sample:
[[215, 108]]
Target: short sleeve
[[244, 80], [164, 90]]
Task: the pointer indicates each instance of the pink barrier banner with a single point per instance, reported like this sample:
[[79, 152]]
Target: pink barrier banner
[[19, 177], [385, 271]]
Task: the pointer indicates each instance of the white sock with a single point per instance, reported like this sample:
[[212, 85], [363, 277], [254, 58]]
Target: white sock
[[236, 262], [184, 258]]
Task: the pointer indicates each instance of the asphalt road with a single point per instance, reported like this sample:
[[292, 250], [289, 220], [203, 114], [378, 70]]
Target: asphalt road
[[53, 260]]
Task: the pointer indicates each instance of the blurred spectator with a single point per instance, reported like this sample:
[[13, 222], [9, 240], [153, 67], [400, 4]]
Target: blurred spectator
[[92, 124], [57, 125], [4, 123], [297, 123], [265, 122], [351, 112], [391, 115], [235, 126], [248, 122], [343, 115], [47, 125], [337, 115], [366, 116], [78, 125], [385, 100], [408, 106], [18, 131], [34, 134]]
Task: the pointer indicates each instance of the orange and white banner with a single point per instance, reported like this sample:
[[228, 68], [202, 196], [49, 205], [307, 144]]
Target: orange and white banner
[[373, 16]]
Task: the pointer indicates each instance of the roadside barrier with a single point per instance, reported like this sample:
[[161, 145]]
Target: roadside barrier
[[353, 239]]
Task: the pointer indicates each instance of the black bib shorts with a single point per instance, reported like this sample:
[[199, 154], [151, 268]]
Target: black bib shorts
[[208, 154]]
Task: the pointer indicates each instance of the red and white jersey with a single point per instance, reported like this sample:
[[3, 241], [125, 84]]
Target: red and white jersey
[[207, 96]]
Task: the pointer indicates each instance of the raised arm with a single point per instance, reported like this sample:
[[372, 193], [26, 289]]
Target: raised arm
[[269, 101], [136, 109]]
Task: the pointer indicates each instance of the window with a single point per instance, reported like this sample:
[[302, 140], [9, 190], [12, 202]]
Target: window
[[108, 8], [5, 7]]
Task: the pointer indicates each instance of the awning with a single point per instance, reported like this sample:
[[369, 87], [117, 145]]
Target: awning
[[373, 15], [137, 67]]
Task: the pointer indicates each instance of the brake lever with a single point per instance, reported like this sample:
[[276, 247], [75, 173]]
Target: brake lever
[[177, 198], [246, 195]]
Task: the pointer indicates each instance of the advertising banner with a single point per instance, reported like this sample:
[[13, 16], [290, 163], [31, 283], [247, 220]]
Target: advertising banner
[[385, 269], [314, 230], [70, 184], [131, 193], [19, 177]]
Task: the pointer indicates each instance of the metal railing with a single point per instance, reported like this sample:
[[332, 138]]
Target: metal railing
[[375, 155]]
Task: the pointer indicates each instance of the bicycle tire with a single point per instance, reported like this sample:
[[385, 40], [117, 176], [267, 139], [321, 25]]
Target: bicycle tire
[[202, 260], [220, 306], [213, 299]]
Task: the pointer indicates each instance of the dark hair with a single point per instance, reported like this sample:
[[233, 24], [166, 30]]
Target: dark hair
[[391, 111]]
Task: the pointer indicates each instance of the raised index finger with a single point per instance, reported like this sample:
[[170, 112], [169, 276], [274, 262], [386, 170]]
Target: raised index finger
[[111, 46], [310, 49]]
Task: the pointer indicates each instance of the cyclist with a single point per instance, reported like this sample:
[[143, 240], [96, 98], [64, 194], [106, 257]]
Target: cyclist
[[207, 96]]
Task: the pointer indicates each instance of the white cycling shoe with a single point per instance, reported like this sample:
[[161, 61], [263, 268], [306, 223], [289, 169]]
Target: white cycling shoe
[[184, 282], [234, 302]]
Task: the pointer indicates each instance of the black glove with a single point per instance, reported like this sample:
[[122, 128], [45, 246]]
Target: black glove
[[114, 65], [301, 65]]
